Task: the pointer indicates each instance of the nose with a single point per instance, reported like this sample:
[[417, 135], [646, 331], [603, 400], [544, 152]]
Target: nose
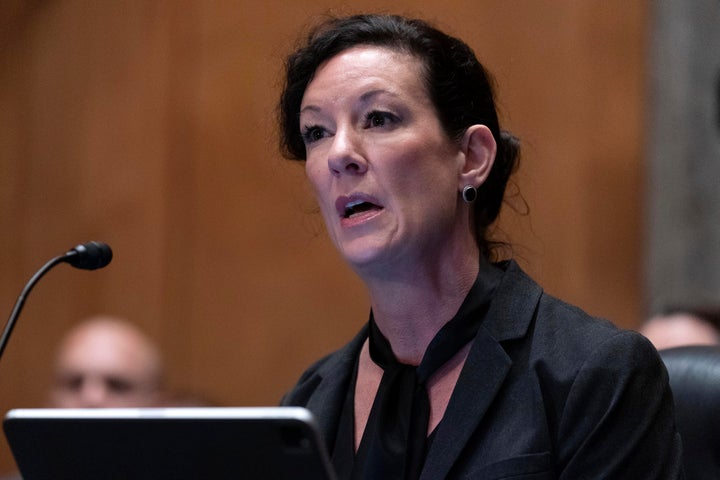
[[94, 394], [346, 156]]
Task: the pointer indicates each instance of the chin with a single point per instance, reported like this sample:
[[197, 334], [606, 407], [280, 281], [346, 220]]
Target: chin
[[358, 260], [366, 259]]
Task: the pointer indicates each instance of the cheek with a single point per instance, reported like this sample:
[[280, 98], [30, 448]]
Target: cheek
[[314, 176], [427, 182], [421, 171], [319, 180]]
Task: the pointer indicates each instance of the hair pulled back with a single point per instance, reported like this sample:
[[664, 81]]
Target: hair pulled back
[[459, 87]]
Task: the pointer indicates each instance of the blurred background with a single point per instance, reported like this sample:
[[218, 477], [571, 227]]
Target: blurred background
[[150, 125]]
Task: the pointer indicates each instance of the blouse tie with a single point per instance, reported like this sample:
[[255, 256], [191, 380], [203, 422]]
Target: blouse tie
[[395, 436]]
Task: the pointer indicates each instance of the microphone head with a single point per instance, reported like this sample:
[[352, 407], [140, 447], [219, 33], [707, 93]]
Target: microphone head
[[89, 256]]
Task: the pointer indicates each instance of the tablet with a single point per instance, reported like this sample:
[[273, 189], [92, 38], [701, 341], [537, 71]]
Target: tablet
[[167, 443]]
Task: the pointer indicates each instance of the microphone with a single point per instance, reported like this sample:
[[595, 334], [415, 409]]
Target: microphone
[[86, 256], [89, 256]]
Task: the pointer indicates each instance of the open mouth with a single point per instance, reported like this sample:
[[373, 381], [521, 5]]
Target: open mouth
[[354, 208], [348, 208]]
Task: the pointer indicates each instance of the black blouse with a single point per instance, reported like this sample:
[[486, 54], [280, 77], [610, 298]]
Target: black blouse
[[452, 337]]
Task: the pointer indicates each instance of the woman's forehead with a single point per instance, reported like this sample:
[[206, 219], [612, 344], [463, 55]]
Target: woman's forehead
[[366, 68]]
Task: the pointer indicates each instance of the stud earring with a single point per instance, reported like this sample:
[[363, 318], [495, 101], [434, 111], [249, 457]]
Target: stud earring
[[469, 194]]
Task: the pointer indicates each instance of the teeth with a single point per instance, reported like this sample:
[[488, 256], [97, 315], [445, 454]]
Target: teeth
[[353, 204], [350, 207]]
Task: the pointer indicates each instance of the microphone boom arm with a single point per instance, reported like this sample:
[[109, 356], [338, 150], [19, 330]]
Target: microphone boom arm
[[21, 299], [87, 256]]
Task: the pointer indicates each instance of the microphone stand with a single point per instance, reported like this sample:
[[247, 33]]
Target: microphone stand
[[87, 256], [21, 299]]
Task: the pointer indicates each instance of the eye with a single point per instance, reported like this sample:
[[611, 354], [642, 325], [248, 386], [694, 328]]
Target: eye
[[71, 383], [312, 133], [118, 385], [379, 119]]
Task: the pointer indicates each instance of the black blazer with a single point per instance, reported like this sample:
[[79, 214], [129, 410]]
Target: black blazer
[[546, 392]]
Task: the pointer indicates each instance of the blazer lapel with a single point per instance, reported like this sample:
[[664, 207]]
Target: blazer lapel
[[485, 369], [326, 388]]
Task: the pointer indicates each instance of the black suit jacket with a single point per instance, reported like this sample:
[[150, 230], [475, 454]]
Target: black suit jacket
[[546, 392]]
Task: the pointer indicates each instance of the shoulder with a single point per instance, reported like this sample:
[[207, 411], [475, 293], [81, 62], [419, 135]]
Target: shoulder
[[605, 391], [524, 309], [612, 398], [326, 374], [567, 349], [566, 346], [575, 337]]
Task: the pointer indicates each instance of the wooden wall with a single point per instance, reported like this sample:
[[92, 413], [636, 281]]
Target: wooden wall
[[149, 125]]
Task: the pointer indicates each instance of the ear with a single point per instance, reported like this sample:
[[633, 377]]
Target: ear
[[479, 149]]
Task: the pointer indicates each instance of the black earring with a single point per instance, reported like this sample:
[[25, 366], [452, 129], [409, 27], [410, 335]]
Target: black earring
[[469, 194]]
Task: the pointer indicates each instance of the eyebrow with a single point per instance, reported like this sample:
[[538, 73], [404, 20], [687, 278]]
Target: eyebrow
[[311, 108], [373, 93], [364, 98]]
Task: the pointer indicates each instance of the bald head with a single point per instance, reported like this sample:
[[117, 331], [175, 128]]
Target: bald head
[[106, 362], [679, 329]]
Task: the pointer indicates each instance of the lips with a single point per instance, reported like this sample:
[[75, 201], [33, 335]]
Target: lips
[[356, 205]]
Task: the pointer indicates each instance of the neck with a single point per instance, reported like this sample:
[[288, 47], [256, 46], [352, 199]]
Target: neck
[[412, 305]]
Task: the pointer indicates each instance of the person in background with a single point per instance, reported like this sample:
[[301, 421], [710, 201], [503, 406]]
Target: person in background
[[465, 368], [680, 326], [107, 362]]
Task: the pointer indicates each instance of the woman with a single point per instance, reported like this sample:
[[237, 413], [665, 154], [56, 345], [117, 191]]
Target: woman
[[466, 369]]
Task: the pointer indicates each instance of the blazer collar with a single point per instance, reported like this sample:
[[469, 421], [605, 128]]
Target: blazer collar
[[485, 369], [327, 386]]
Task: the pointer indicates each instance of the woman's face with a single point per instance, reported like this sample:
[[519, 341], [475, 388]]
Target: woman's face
[[385, 173]]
